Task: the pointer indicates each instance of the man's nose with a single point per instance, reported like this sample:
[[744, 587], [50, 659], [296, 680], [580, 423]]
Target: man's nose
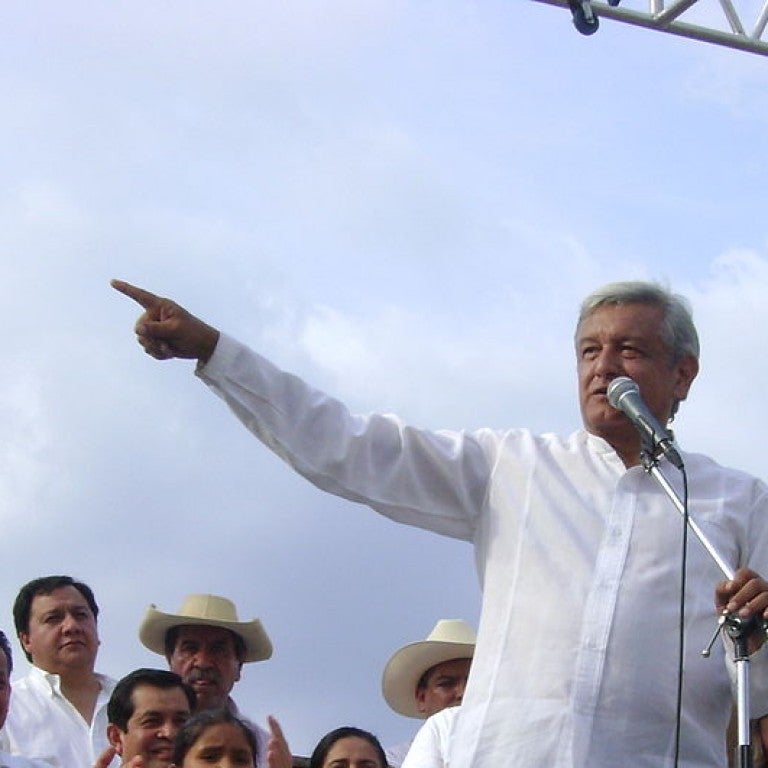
[[458, 691], [69, 623], [202, 659], [608, 363]]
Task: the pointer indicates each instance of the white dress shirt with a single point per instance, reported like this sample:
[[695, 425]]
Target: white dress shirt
[[430, 746], [14, 761], [576, 656], [42, 724]]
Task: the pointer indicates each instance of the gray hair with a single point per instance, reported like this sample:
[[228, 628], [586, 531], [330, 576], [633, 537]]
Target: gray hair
[[678, 330]]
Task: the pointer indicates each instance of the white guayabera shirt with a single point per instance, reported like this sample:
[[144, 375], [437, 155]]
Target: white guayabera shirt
[[576, 656]]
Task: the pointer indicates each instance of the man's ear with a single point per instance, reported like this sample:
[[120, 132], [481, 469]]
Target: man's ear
[[24, 640], [420, 696], [687, 369], [115, 738]]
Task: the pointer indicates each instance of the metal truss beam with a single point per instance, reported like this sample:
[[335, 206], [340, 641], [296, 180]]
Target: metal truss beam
[[670, 19]]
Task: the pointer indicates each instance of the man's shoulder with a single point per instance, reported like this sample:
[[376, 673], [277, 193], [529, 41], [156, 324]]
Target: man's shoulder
[[106, 682], [707, 468], [38, 681], [34, 696], [35, 683], [32, 707], [440, 725], [445, 717], [526, 438]]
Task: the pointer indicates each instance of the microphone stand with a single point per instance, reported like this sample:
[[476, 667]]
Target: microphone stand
[[737, 628]]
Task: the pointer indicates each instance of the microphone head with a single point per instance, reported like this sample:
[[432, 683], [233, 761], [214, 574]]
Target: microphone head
[[619, 387]]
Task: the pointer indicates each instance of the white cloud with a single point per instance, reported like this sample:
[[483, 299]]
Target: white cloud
[[26, 440], [723, 416]]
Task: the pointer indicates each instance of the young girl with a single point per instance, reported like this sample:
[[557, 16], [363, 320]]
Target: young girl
[[216, 737]]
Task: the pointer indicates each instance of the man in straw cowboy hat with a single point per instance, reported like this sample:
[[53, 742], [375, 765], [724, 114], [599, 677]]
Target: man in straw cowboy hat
[[206, 644], [423, 678]]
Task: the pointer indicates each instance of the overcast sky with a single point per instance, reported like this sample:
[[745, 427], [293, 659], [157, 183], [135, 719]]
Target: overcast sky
[[402, 201]]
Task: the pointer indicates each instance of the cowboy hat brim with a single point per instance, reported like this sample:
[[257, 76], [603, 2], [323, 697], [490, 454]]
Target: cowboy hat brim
[[155, 626]]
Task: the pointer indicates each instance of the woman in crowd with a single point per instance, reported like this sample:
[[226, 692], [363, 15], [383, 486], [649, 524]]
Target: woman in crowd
[[348, 747]]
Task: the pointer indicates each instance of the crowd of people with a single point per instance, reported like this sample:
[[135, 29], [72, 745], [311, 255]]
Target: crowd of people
[[587, 652], [65, 714]]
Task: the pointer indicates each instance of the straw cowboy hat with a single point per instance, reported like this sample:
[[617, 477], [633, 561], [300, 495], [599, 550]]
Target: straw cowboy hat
[[209, 611], [450, 639]]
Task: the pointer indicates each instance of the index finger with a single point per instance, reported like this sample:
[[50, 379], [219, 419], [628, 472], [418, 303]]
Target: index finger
[[139, 295]]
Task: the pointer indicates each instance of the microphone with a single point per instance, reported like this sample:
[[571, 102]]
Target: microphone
[[624, 395]]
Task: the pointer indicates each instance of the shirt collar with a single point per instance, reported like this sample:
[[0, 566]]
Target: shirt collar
[[51, 682]]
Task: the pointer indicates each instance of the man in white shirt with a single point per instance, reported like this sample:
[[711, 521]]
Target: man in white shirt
[[6, 667], [58, 712], [576, 545], [424, 677], [206, 644], [431, 745]]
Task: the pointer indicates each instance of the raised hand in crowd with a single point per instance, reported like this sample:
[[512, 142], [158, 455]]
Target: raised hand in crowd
[[278, 751]]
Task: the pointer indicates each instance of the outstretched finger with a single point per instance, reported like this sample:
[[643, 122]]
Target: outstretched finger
[[146, 299]]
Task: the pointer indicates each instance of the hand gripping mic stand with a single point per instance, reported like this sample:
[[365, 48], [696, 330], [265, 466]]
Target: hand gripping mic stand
[[737, 628]]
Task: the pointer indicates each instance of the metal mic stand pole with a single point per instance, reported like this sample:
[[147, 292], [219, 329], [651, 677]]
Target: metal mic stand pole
[[736, 628]]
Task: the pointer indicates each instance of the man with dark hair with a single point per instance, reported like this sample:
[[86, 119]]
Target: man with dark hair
[[147, 709], [58, 712], [577, 546], [45, 585], [206, 644], [6, 667]]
